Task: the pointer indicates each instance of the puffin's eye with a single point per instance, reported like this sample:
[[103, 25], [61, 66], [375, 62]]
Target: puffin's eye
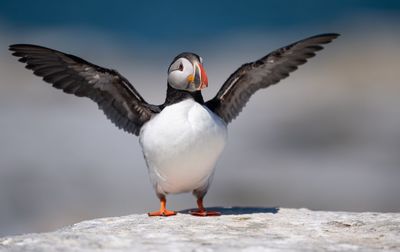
[[180, 67]]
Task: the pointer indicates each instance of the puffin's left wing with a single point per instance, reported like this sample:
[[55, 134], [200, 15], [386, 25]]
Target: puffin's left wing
[[269, 70], [118, 99]]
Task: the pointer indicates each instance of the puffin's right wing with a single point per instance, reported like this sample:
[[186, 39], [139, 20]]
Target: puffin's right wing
[[269, 70], [119, 100]]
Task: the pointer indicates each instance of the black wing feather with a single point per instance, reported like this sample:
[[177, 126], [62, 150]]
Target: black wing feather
[[118, 99], [269, 70]]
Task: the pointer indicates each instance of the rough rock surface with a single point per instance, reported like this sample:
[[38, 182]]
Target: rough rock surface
[[244, 229]]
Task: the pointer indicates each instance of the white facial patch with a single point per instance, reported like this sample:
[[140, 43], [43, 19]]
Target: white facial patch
[[179, 73]]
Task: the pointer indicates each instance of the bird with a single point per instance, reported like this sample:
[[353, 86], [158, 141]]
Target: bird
[[183, 138]]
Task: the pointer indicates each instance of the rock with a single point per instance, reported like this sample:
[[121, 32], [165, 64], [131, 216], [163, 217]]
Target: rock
[[244, 229]]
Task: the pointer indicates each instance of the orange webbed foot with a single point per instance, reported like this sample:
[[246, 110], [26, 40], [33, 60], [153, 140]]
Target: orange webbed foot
[[163, 213], [204, 213], [201, 211]]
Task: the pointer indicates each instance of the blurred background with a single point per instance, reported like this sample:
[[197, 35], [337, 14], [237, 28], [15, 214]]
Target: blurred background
[[327, 138]]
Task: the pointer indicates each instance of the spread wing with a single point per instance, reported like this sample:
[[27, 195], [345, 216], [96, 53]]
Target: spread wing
[[269, 70], [119, 100]]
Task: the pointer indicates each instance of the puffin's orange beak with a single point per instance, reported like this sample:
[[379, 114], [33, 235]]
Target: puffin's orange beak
[[200, 77], [204, 78]]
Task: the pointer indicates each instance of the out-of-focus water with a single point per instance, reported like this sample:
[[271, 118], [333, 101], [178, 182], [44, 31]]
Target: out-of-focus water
[[326, 138]]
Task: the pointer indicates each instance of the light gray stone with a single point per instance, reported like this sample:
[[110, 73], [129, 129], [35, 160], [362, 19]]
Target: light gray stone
[[238, 229]]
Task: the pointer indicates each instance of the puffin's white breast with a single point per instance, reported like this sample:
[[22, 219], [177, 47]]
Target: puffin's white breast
[[181, 146]]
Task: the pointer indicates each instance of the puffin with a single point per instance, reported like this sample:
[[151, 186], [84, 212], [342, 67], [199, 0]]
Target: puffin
[[183, 138]]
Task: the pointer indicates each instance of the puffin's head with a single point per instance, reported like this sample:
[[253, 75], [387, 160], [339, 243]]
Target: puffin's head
[[186, 72]]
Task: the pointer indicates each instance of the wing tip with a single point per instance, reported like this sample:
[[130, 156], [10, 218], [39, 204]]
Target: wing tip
[[22, 49], [16, 47], [330, 34], [327, 37], [12, 47]]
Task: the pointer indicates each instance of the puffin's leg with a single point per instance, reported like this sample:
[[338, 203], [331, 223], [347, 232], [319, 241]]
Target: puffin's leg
[[163, 210], [201, 211]]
